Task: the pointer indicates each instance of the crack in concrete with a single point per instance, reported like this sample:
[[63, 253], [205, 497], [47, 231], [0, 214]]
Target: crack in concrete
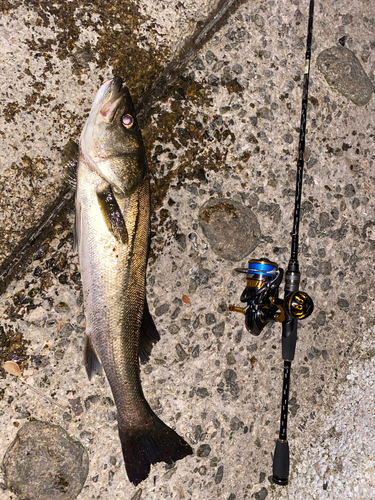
[[205, 31]]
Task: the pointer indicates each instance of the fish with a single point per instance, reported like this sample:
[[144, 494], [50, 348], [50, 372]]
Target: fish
[[112, 238]]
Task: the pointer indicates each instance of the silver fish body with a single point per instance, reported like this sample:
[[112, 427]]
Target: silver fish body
[[112, 238]]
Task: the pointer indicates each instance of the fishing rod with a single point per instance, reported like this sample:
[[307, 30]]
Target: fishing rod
[[263, 279]]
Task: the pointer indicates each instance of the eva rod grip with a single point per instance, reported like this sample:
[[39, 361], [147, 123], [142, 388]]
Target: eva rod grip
[[289, 338], [280, 467]]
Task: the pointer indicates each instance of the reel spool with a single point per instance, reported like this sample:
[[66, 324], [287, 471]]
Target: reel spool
[[263, 278]]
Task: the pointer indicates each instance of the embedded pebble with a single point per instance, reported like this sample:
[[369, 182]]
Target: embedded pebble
[[137, 495], [44, 462], [218, 330], [204, 450], [159, 311], [230, 359], [181, 353], [232, 229], [261, 495], [195, 352], [76, 406], [219, 474], [344, 72]]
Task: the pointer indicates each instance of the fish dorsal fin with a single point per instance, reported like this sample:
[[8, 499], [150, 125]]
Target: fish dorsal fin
[[69, 158], [149, 335], [91, 360], [112, 214]]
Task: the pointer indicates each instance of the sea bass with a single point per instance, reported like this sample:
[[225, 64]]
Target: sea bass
[[112, 238]]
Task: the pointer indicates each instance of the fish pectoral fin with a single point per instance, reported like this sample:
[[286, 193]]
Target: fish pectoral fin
[[112, 214], [77, 227], [92, 364], [149, 335]]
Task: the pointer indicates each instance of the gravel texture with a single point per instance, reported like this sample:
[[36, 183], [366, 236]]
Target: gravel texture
[[227, 129]]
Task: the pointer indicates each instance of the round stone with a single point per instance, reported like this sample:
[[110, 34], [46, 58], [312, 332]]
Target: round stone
[[44, 462], [343, 72], [232, 229]]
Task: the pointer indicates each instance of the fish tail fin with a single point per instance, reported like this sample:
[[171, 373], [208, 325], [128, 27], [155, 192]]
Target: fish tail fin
[[155, 442]]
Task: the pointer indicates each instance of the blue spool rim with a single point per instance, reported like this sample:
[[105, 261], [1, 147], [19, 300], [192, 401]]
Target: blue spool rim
[[262, 267], [259, 267]]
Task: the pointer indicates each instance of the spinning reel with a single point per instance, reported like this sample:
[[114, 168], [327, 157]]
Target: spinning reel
[[263, 279]]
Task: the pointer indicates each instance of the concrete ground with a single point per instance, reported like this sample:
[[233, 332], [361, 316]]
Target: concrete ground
[[225, 130]]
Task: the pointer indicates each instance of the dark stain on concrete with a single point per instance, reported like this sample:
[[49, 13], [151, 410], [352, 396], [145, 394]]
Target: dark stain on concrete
[[13, 346], [142, 71], [118, 48]]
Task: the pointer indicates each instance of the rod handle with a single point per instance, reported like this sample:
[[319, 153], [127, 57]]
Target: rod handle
[[281, 463], [289, 338]]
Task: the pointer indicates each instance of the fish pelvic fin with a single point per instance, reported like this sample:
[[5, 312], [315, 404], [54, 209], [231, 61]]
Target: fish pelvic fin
[[112, 214], [155, 442], [92, 364], [148, 337]]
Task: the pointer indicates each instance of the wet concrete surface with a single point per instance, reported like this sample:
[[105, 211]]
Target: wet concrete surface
[[225, 129]]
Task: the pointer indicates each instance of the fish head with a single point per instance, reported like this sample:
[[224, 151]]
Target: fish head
[[111, 140]]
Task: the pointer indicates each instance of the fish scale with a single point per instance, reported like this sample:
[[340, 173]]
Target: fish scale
[[118, 281], [112, 239]]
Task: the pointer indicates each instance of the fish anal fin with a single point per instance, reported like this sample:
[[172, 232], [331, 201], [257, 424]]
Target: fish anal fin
[[112, 214], [149, 335], [152, 443], [91, 360]]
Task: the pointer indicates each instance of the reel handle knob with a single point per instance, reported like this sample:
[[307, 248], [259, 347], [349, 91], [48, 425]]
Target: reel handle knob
[[237, 309]]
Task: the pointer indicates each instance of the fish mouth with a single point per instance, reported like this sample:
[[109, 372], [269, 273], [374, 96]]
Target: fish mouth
[[111, 94], [117, 83], [115, 89]]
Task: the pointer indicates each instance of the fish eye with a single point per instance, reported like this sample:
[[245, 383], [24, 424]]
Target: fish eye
[[128, 121]]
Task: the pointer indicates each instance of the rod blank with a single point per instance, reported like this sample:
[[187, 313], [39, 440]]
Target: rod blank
[[292, 279]]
